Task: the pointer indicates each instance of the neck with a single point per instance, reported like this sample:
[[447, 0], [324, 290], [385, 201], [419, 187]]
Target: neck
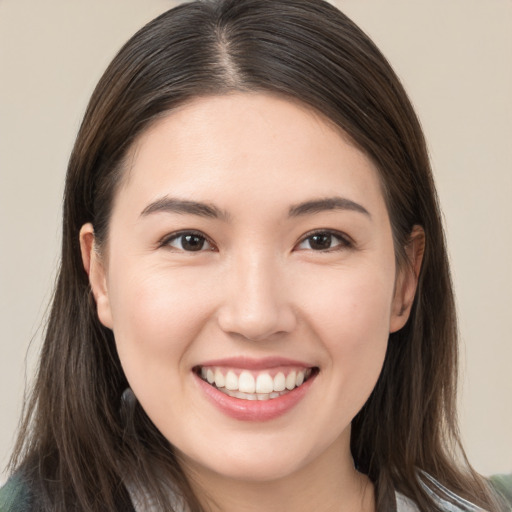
[[329, 483]]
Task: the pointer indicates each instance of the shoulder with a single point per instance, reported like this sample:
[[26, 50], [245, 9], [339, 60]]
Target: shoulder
[[503, 484], [15, 495], [450, 502], [404, 504]]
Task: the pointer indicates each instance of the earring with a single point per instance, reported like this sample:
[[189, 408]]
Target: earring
[[128, 398]]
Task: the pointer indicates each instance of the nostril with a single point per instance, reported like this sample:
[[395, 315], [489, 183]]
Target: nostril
[[257, 324]]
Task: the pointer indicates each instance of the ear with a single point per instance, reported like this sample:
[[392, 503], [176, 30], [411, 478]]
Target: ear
[[407, 280], [95, 268]]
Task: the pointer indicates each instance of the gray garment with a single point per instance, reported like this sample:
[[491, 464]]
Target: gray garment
[[404, 504], [448, 501]]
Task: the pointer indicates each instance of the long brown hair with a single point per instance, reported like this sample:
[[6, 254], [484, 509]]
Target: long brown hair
[[82, 439]]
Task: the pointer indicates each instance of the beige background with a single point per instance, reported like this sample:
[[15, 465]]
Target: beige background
[[454, 57]]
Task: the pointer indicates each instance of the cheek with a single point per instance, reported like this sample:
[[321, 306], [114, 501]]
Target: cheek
[[350, 308], [155, 305], [350, 314], [156, 317]]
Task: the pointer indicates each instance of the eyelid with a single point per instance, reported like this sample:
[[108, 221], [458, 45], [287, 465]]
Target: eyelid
[[346, 241], [166, 239]]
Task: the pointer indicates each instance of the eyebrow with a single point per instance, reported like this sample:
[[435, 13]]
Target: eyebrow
[[173, 205], [184, 206], [329, 203]]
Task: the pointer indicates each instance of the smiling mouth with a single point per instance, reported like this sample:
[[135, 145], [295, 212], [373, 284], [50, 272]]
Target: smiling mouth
[[255, 385]]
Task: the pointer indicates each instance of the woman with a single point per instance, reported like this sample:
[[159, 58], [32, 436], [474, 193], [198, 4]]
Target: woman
[[254, 307]]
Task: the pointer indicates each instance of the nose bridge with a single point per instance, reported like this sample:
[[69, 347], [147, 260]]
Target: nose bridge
[[256, 304]]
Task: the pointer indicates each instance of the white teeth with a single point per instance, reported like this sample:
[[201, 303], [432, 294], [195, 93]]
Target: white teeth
[[220, 381], [279, 382], [251, 387], [290, 380], [264, 383], [246, 382], [251, 396], [231, 381]]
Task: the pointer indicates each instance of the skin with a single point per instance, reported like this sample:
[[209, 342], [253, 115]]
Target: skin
[[258, 288]]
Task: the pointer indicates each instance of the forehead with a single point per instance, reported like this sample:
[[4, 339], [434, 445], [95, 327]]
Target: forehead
[[251, 146]]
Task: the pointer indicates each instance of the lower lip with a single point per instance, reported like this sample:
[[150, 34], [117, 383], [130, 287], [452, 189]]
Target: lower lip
[[254, 410]]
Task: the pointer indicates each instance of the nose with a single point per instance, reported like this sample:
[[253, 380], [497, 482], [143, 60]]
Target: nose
[[256, 303]]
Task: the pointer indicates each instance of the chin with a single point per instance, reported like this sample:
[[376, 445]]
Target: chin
[[254, 465], [261, 470]]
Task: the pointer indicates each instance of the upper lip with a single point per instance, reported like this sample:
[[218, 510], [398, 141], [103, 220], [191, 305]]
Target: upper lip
[[247, 363]]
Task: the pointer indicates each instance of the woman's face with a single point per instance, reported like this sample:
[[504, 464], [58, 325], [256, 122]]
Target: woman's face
[[249, 278]]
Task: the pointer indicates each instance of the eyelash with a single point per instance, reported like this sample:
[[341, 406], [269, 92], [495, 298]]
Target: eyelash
[[344, 241], [166, 241]]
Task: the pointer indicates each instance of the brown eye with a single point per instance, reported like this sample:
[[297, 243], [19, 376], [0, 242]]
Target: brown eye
[[189, 242], [192, 242], [324, 241], [320, 242]]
